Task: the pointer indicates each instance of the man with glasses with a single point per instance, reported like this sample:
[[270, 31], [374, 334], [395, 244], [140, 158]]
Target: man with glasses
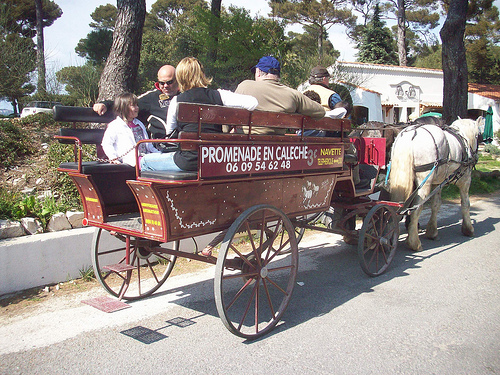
[[153, 105]]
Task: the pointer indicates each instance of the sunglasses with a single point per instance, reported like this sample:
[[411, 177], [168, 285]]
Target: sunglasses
[[167, 82]]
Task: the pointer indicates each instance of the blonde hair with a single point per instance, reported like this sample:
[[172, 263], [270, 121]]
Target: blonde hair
[[190, 74], [122, 104]]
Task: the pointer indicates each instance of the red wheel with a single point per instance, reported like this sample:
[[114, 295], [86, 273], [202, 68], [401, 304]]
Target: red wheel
[[378, 239], [254, 279], [128, 267]]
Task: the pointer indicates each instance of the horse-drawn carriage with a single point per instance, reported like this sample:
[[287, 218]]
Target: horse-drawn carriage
[[254, 194]]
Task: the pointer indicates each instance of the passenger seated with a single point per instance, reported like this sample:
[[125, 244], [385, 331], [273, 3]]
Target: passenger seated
[[274, 96], [193, 85], [123, 133]]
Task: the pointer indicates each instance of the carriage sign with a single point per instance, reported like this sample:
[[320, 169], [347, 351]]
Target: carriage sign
[[236, 160]]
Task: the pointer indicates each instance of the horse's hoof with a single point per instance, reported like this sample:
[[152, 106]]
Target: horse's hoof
[[432, 236], [468, 232], [414, 247]]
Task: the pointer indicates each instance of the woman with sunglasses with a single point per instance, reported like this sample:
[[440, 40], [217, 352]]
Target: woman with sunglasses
[[193, 85]]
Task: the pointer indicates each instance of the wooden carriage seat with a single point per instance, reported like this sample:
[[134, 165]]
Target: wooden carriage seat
[[109, 179], [237, 118]]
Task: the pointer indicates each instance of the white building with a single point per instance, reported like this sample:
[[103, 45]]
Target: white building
[[398, 94]]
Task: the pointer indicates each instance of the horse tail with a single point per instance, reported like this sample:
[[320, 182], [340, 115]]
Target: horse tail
[[401, 176]]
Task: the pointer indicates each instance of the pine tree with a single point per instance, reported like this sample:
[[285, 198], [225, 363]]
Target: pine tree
[[377, 45]]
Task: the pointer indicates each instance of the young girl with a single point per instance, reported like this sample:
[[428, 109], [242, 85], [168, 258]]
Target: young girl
[[193, 85], [125, 131]]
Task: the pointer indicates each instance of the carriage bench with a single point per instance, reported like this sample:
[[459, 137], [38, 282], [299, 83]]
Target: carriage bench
[[108, 180]]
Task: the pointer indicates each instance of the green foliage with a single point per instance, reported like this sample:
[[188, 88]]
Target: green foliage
[[479, 185], [17, 61], [104, 17], [377, 45], [241, 42], [156, 51], [317, 15], [14, 143], [429, 58], [491, 149], [39, 120], [96, 46], [19, 16], [15, 206], [483, 185], [483, 66], [87, 274], [82, 83], [62, 183]]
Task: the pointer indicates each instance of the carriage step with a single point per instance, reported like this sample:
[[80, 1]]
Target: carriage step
[[119, 267]]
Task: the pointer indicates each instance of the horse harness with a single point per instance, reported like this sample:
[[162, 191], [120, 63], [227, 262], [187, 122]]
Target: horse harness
[[469, 160], [469, 156]]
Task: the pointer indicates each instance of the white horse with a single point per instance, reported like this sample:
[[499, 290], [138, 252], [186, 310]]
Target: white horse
[[425, 156]]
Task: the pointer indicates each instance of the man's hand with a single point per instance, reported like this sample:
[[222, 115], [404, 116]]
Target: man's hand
[[99, 108]]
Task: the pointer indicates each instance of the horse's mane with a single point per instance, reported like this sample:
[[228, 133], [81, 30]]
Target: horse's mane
[[468, 129]]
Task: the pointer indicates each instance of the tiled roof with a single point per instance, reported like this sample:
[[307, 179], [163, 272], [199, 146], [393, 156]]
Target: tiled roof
[[389, 67], [483, 89]]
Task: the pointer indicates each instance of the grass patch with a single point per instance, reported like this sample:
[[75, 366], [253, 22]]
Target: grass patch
[[479, 185]]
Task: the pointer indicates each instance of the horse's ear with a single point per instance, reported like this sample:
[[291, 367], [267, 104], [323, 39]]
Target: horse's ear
[[480, 121]]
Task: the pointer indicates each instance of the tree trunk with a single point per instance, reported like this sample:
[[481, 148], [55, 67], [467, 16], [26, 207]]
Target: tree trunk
[[215, 29], [320, 42], [455, 89], [120, 72], [402, 33], [40, 50]]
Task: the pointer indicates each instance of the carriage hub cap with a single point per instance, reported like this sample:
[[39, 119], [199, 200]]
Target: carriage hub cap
[[264, 272]]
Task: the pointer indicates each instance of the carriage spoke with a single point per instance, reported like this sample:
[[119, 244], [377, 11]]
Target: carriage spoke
[[247, 309], [140, 277], [268, 296], [239, 293]]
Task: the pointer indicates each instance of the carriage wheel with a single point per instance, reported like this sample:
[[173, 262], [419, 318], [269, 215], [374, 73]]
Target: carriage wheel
[[129, 276], [254, 280], [378, 239]]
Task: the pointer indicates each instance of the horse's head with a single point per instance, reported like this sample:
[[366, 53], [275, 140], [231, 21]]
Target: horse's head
[[469, 129]]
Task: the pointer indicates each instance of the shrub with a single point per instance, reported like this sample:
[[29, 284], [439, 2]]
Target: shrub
[[491, 149], [15, 206], [61, 182], [15, 143]]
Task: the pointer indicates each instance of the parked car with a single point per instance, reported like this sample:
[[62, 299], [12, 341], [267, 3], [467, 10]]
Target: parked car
[[38, 106]]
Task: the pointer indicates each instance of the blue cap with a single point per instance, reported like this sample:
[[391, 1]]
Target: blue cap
[[268, 64]]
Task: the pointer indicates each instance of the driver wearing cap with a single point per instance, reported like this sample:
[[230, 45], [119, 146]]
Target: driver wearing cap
[[319, 80], [276, 97]]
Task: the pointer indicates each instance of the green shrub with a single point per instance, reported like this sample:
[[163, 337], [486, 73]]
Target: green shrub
[[15, 206], [41, 120], [491, 149], [62, 183], [15, 143]]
